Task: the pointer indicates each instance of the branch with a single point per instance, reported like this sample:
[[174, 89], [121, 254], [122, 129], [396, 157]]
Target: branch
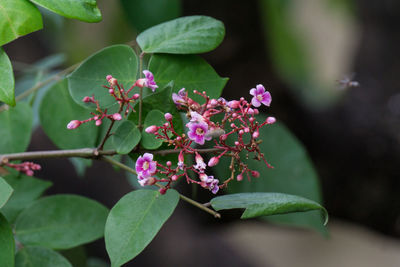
[[177, 151]]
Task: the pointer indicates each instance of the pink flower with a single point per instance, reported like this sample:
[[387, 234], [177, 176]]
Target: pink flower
[[260, 96], [181, 160], [117, 116], [151, 129], [179, 99], [143, 181], [200, 165], [198, 132], [73, 124], [213, 161], [145, 166], [148, 81], [196, 117], [209, 182], [168, 116]]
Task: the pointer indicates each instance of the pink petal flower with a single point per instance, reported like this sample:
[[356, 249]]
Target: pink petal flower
[[260, 96], [197, 132], [145, 166]]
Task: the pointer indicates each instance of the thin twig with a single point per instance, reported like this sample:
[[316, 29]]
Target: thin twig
[[140, 92]]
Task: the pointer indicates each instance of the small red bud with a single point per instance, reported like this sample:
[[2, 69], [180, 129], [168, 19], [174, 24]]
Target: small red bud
[[223, 137], [162, 190], [73, 124], [169, 163], [241, 132], [236, 143], [246, 130], [98, 122], [255, 174], [151, 129], [239, 177], [111, 91], [213, 161], [136, 96], [117, 116], [270, 120], [109, 77], [174, 177], [87, 99], [251, 119], [256, 111], [168, 116]]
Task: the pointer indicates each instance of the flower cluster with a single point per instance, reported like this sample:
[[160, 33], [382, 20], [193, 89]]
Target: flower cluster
[[26, 167], [238, 124], [120, 95]]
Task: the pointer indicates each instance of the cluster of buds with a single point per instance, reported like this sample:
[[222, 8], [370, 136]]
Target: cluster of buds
[[238, 122], [26, 167], [120, 95]]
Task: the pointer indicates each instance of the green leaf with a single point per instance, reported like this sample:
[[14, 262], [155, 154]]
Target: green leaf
[[7, 80], [162, 101], [17, 18], [154, 117], [5, 192], [264, 204], [135, 220], [61, 222], [38, 256], [293, 173], [187, 71], [88, 79], [186, 35], [16, 128], [58, 101], [126, 137], [26, 190], [84, 10], [7, 242], [143, 14]]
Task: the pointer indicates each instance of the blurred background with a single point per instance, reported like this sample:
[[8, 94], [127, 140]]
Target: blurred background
[[300, 50]]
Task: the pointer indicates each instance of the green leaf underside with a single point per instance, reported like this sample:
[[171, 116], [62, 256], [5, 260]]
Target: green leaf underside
[[293, 173], [84, 10], [15, 128], [26, 190], [264, 204], [7, 80], [161, 100], [61, 222], [58, 101], [187, 71], [39, 256], [135, 220], [5, 192], [126, 137], [88, 79], [154, 117], [186, 35], [7, 246], [143, 14], [18, 18]]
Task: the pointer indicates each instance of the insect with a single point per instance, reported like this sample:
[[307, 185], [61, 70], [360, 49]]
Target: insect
[[215, 132], [348, 82]]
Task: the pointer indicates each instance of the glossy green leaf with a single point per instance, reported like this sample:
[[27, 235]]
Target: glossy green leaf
[[84, 10], [161, 100], [143, 14], [186, 35], [26, 190], [61, 222], [17, 18], [187, 71], [154, 117], [293, 173], [7, 80], [126, 137], [88, 79], [15, 129], [7, 243], [264, 204], [134, 221], [58, 101], [5, 192], [39, 256]]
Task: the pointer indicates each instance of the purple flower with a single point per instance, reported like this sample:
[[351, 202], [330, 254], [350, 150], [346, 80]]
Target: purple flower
[[179, 99], [260, 96], [200, 165], [145, 166], [148, 81], [209, 182], [197, 132], [196, 117]]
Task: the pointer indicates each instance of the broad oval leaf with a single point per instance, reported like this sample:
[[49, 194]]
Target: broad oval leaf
[[16, 128], [264, 204], [84, 10], [293, 173], [7, 80], [61, 222], [58, 101], [5, 192], [7, 243], [88, 79], [135, 220], [38, 256], [187, 71], [126, 137], [186, 35], [26, 190], [17, 18], [154, 117]]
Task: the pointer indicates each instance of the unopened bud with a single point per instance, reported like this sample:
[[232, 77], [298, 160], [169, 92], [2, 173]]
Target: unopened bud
[[255, 174], [98, 122], [162, 190], [141, 82], [111, 91], [223, 137], [241, 132], [136, 96], [270, 120], [246, 130], [151, 129], [213, 161], [213, 102], [233, 104], [256, 134], [250, 111], [236, 143], [239, 177], [73, 124], [169, 163], [256, 111], [168, 116], [109, 77], [117, 116], [174, 177], [87, 99]]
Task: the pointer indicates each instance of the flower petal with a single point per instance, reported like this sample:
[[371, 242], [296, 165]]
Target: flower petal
[[255, 102]]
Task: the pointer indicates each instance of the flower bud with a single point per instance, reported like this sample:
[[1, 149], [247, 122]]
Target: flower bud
[[109, 77], [111, 91], [255, 174], [151, 129], [256, 134], [168, 116], [87, 99], [213, 102], [250, 111], [162, 190], [117, 117], [241, 132], [73, 124], [233, 104], [256, 111], [174, 177], [181, 160], [213, 161], [141, 82], [98, 122], [223, 137], [236, 143], [270, 120], [169, 163], [239, 177], [246, 130], [136, 96]]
